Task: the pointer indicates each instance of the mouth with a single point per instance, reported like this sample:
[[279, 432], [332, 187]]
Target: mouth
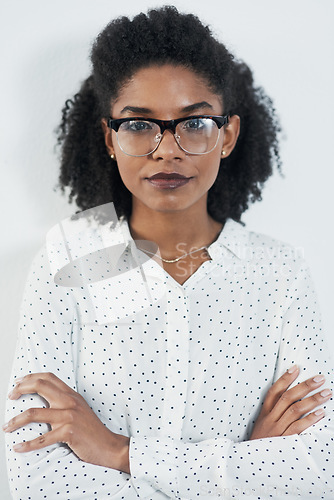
[[164, 180]]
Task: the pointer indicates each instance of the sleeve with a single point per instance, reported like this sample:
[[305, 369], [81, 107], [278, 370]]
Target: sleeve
[[298, 466], [47, 326]]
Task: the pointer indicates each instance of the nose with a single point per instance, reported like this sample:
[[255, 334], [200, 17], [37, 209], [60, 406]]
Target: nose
[[168, 147]]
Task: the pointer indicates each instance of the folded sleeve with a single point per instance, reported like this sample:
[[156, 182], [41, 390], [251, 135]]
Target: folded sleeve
[[48, 325], [297, 466]]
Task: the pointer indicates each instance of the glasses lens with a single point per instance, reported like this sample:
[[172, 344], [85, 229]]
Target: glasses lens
[[194, 135], [197, 135], [138, 137]]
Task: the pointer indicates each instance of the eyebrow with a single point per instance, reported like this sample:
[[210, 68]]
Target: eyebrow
[[188, 109], [197, 105], [135, 109]]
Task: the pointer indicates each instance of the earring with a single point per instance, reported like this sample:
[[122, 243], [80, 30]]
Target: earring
[[223, 153], [112, 156]]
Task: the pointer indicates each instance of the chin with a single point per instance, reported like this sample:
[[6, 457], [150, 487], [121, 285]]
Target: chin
[[171, 202]]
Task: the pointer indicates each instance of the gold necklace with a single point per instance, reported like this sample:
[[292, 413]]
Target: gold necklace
[[172, 261]]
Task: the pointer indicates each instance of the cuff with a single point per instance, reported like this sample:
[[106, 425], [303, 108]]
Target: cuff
[[153, 466]]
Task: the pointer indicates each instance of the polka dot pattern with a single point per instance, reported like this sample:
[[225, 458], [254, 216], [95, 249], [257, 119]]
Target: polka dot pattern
[[183, 374]]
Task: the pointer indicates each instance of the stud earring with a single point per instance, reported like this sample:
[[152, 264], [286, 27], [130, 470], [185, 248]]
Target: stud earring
[[112, 156], [223, 153]]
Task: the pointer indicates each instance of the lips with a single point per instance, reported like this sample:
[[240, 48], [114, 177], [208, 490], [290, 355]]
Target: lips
[[167, 175], [168, 180]]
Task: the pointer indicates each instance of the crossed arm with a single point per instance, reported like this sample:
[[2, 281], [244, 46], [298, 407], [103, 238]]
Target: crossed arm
[[74, 423]]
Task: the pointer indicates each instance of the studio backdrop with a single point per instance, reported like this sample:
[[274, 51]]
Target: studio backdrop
[[44, 57]]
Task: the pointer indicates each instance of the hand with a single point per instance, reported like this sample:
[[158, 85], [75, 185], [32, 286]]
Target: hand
[[72, 422], [283, 409]]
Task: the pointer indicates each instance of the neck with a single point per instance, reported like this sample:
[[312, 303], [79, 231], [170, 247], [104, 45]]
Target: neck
[[175, 233]]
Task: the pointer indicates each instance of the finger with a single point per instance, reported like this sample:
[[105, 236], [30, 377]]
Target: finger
[[46, 385], [38, 415], [300, 408], [293, 395], [46, 376], [279, 387], [304, 423], [47, 439]]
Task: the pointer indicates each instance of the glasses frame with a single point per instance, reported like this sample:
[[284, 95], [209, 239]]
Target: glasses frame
[[164, 125]]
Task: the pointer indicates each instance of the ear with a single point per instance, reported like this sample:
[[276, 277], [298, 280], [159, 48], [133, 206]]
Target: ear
[[107, 136], [231, 134]]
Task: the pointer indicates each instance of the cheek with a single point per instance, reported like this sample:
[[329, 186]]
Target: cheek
[[212, 161], [129, 170], [126, 173], [210, 168]]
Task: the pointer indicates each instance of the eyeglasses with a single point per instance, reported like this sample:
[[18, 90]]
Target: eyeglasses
[[197, 135]]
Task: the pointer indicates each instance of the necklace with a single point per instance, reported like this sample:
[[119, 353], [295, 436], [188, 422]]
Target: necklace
[[172, 261]]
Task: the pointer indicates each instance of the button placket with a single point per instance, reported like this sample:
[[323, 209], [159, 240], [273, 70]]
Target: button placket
[[177, 331]]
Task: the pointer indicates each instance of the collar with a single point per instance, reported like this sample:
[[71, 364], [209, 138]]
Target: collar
[[234, 238]]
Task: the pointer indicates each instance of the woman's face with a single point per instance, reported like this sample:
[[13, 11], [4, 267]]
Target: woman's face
[[169, 92]]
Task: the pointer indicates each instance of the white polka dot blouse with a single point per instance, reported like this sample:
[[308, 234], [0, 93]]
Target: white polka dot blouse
[[180, 369]]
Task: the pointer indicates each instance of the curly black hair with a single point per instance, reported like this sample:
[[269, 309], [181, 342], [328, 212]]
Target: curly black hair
[[166, 36]]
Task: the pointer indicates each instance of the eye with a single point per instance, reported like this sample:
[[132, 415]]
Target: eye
[[136, 126], [194, 124]]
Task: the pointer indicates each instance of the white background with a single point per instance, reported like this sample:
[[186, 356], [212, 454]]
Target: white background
[[44, 56]]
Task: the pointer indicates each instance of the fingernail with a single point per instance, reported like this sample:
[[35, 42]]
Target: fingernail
[[11, 395], [292, 369], [320, 412], [18, 380], [17, 446], [325, 393], [319, 378], [5, 426]]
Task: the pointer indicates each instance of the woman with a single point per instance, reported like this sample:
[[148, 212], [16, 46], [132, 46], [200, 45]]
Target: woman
[[192, 391]]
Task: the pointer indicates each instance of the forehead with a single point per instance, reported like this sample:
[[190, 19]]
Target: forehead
[[166, 90]]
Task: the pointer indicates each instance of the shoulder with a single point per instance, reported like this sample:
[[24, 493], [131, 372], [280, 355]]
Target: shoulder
[[262, 252], [75, 253], [252, 245]]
